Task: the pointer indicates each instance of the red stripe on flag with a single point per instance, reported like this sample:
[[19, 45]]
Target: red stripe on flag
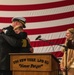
[[57, 54], [49, 43], [35, 6], [50, 17], [40, 18], [49, 29]]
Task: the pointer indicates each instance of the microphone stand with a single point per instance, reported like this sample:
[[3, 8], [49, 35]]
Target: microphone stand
[[66, 48], [66, 69]]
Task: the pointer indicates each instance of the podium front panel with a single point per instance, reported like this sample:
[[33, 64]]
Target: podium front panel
[[31, 62]]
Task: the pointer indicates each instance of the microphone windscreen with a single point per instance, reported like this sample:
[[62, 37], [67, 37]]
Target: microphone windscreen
[[38, 37]]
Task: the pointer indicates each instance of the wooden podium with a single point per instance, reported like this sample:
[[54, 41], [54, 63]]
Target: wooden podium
[[33, 64]]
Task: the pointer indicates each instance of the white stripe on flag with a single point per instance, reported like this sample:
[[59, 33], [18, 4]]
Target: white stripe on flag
[[25, 2], [42, 12]]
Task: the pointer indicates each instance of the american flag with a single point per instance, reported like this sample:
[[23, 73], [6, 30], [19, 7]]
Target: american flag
[[48, 18]]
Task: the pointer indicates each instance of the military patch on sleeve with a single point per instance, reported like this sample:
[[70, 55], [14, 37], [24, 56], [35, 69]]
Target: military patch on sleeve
[[24, 41]]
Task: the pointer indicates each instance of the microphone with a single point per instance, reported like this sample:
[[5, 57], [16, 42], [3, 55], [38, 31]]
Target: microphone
[[37, 38]]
